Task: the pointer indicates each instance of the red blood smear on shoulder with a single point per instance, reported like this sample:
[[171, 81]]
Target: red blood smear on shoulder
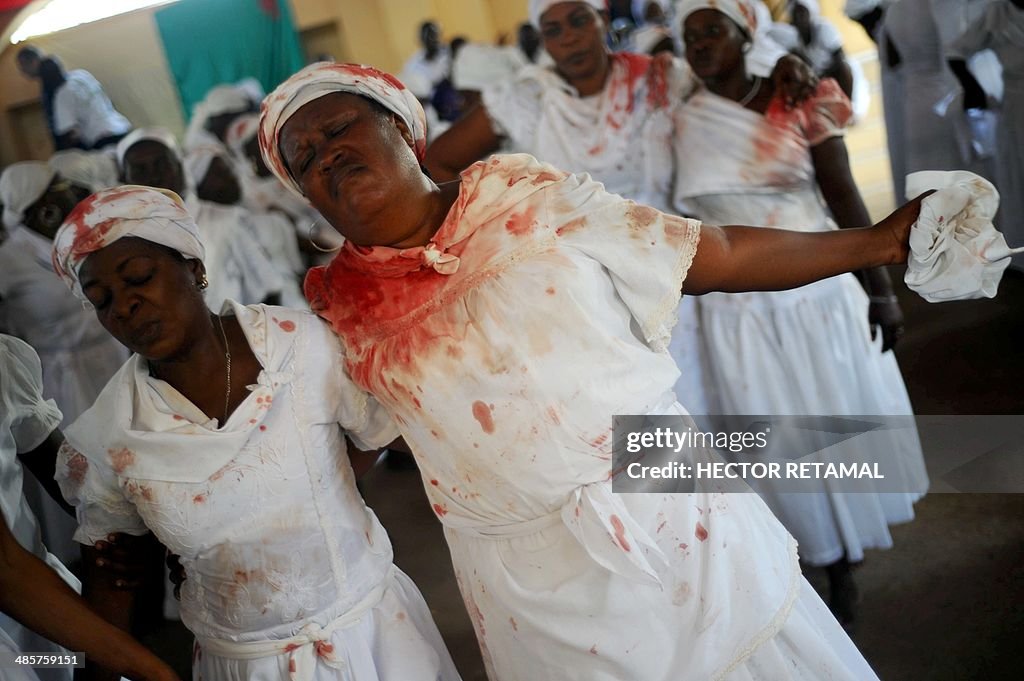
[[620, 532], [482, 413], [78, 466], [522, 223]]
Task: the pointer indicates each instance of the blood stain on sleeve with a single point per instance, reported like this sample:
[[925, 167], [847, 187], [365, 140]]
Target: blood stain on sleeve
[[620, 532], [482, 413], [121, 459]]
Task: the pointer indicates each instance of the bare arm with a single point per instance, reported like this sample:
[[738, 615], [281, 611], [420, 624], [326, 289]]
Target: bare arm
[[832, 169], [42, 461], [34, 595], [840, 70], [736, 258], [466, 142]]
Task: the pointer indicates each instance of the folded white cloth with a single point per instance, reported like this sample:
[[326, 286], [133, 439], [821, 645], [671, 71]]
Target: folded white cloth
[[955, 251]]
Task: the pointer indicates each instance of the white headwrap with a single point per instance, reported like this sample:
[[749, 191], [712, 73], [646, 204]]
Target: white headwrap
[[94, 170], [156, 215], [955, 252], [241, 130], [742, 12], [161, 135], [538, 7], [219, 100], [326, 78], [21, 185], [197, 162]]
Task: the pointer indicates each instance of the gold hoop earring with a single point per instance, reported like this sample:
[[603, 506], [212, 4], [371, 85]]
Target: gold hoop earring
[[203, 282], [312, 241]]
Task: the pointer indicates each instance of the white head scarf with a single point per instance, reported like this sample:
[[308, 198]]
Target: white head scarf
[[742, 12], [161, 135], [21, 185], [538, 7], [156, 215], [197, 162], [241, 130], [219, 100], [326, 78], [94, 170]]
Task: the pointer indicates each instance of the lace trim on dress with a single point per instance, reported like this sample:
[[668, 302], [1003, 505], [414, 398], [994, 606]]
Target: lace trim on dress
[[657, 327]]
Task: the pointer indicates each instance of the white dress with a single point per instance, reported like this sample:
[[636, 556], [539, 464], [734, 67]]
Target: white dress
[[804, 351], [26, 420], [621, 137], [236, 265], [542, 307], [81, 103], [77, 354], [286, 566], [1001, 29]]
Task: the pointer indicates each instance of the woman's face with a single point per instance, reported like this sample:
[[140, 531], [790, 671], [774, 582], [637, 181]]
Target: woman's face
[[354, 163], [151, 164], [220, 184], [714, 43], [46, 215], [573, 34], [146, 296]]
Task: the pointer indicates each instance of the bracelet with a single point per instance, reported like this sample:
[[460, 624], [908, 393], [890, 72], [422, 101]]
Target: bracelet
[[889, 299]]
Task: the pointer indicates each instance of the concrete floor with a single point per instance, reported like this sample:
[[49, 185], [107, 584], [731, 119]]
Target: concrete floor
[[946, 604]]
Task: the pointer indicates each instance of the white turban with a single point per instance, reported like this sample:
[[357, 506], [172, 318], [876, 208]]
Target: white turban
[[157, 215], [161, 135], [742, 12], [21, 185], [955, 252], [241, 130], [538, 7], [197, 162], [324, 78], [94, 170]]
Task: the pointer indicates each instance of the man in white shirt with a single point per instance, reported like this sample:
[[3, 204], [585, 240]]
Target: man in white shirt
[[81, 114]]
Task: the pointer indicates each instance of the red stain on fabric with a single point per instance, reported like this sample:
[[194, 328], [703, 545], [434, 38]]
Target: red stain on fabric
[[120, 459], [263, 428], [521, 223], [620, 532], [593, 649], [512, 621], [700, 532], [482, 413], [435, 483], [77, 466], [199, 499], [440, 510], [287, 325]]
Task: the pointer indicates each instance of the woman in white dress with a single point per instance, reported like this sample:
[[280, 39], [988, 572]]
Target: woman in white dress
[[503, 320], [1001, 29], [597, 112], [77, 355], [223, 436], [742, 158]]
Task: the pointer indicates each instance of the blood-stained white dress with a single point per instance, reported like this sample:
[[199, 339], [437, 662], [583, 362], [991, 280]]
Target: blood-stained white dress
[[542, 307], [288, 570]]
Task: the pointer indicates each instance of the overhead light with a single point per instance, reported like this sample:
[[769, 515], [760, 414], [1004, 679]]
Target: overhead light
[[58, 15]]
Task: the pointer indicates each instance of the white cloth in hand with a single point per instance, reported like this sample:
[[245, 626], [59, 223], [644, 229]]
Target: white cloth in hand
[[955, 251]]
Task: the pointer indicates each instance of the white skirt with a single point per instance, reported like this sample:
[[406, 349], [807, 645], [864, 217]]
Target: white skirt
[[396, 640], [808, 351]]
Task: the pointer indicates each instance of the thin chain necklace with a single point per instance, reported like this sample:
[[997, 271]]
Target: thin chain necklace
[[227, 357], [754, 89]]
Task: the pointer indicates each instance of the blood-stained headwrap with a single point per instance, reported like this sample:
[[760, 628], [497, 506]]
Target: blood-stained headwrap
[[157, 215], [324, 78], [742, 12], [538, 7], [241, 130]]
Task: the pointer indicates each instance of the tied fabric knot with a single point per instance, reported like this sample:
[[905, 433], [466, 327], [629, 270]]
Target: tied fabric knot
[[434, 257], [303, 658]]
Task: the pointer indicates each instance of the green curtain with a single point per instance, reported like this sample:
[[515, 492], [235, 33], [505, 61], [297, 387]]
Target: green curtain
[[210, 42]]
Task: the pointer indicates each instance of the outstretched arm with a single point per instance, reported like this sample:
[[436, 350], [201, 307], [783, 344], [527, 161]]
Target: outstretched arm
[[34, 595], [832, 170], [466, 142], [736, 258]]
